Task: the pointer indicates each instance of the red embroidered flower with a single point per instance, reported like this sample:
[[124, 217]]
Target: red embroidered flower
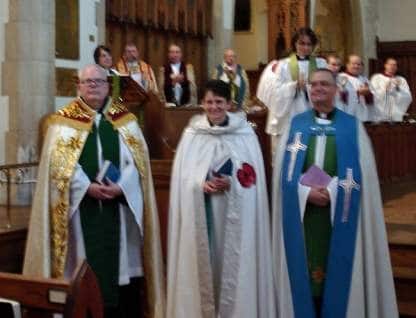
[[246, 175]]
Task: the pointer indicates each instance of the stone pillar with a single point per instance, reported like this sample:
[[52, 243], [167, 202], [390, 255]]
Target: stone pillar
[[369, 18], [222, 31], [28, 74], [4, 100]]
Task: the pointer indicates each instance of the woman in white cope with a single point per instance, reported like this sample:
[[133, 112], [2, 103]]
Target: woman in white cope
[[283, 88], [392, 92], [219, 258]]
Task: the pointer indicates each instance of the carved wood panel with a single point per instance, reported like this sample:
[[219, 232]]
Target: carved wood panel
[[67, 30], [154, 24], [284, 18]]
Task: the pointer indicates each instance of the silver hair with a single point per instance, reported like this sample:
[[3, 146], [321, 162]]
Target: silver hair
[[100, 69]]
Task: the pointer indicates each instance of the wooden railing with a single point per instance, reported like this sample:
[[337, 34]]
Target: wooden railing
[[14, 174]]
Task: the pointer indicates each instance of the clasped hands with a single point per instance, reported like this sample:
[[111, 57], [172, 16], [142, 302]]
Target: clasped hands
[[178, 78], [364, 90], [319, 196], [302, 83], [217, 184], [104, 191]]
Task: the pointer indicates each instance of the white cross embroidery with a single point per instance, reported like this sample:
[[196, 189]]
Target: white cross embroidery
[[294, 148], [348, 184]]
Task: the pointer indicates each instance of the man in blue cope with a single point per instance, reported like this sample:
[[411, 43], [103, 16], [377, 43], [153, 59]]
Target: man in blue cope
[[329, 240]]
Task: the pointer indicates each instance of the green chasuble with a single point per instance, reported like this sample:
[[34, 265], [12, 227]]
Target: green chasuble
[[100, 219], [317, 220]]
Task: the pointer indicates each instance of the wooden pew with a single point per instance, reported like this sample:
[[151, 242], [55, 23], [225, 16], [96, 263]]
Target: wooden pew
[[78, 298]]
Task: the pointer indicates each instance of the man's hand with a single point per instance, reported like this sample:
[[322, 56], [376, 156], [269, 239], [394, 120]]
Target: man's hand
[[301, 83], [104, 191], [364, 90], [216, 185], [177, 78], [319, 196]]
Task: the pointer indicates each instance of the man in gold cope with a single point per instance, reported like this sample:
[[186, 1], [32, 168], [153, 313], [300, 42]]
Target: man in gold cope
[[112, 224]]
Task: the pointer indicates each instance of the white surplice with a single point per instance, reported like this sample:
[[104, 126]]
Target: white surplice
[[278, 91], [356, 104], [372, 293], [392, 95], [233, 277]]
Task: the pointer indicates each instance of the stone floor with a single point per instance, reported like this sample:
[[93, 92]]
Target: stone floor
[[400, 212]]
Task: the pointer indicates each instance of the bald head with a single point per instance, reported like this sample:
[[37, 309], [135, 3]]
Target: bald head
[[354, 65], [334, 63], [230, 57]]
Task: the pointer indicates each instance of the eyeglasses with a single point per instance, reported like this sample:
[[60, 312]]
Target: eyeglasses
[[304, 43], [95, 81]]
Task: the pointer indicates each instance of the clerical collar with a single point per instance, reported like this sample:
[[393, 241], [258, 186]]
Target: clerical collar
[[328, 116], [100, 109], [223, 124], [350, 74], [228, 67], [305, 58]]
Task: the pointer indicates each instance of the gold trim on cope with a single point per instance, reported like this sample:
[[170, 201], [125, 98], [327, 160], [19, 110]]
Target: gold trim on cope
[[64, 157]]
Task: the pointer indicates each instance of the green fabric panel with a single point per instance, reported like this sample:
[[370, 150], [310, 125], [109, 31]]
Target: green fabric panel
[[109, 142], [317, 221], [312, 66], [294, 66], [100, 220]]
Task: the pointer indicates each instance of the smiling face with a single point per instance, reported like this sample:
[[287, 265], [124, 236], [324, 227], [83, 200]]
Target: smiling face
[[304, 46], [354, 65], [215, 107], [93, 85], [105, 60], [323, 90], [334, 64]]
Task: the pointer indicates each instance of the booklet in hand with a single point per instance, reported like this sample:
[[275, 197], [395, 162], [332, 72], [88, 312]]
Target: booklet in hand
[[226, 169], [315, 177], [108, 172]]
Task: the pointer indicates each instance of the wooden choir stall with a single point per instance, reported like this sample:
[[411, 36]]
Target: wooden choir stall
[[78, 298]]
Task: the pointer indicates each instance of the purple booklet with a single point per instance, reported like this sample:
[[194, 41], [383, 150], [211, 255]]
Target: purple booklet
[[315, 177]]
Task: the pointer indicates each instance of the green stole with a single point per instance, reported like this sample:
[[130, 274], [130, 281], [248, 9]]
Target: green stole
[[317, 220], [100, 220], [294, 66]]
